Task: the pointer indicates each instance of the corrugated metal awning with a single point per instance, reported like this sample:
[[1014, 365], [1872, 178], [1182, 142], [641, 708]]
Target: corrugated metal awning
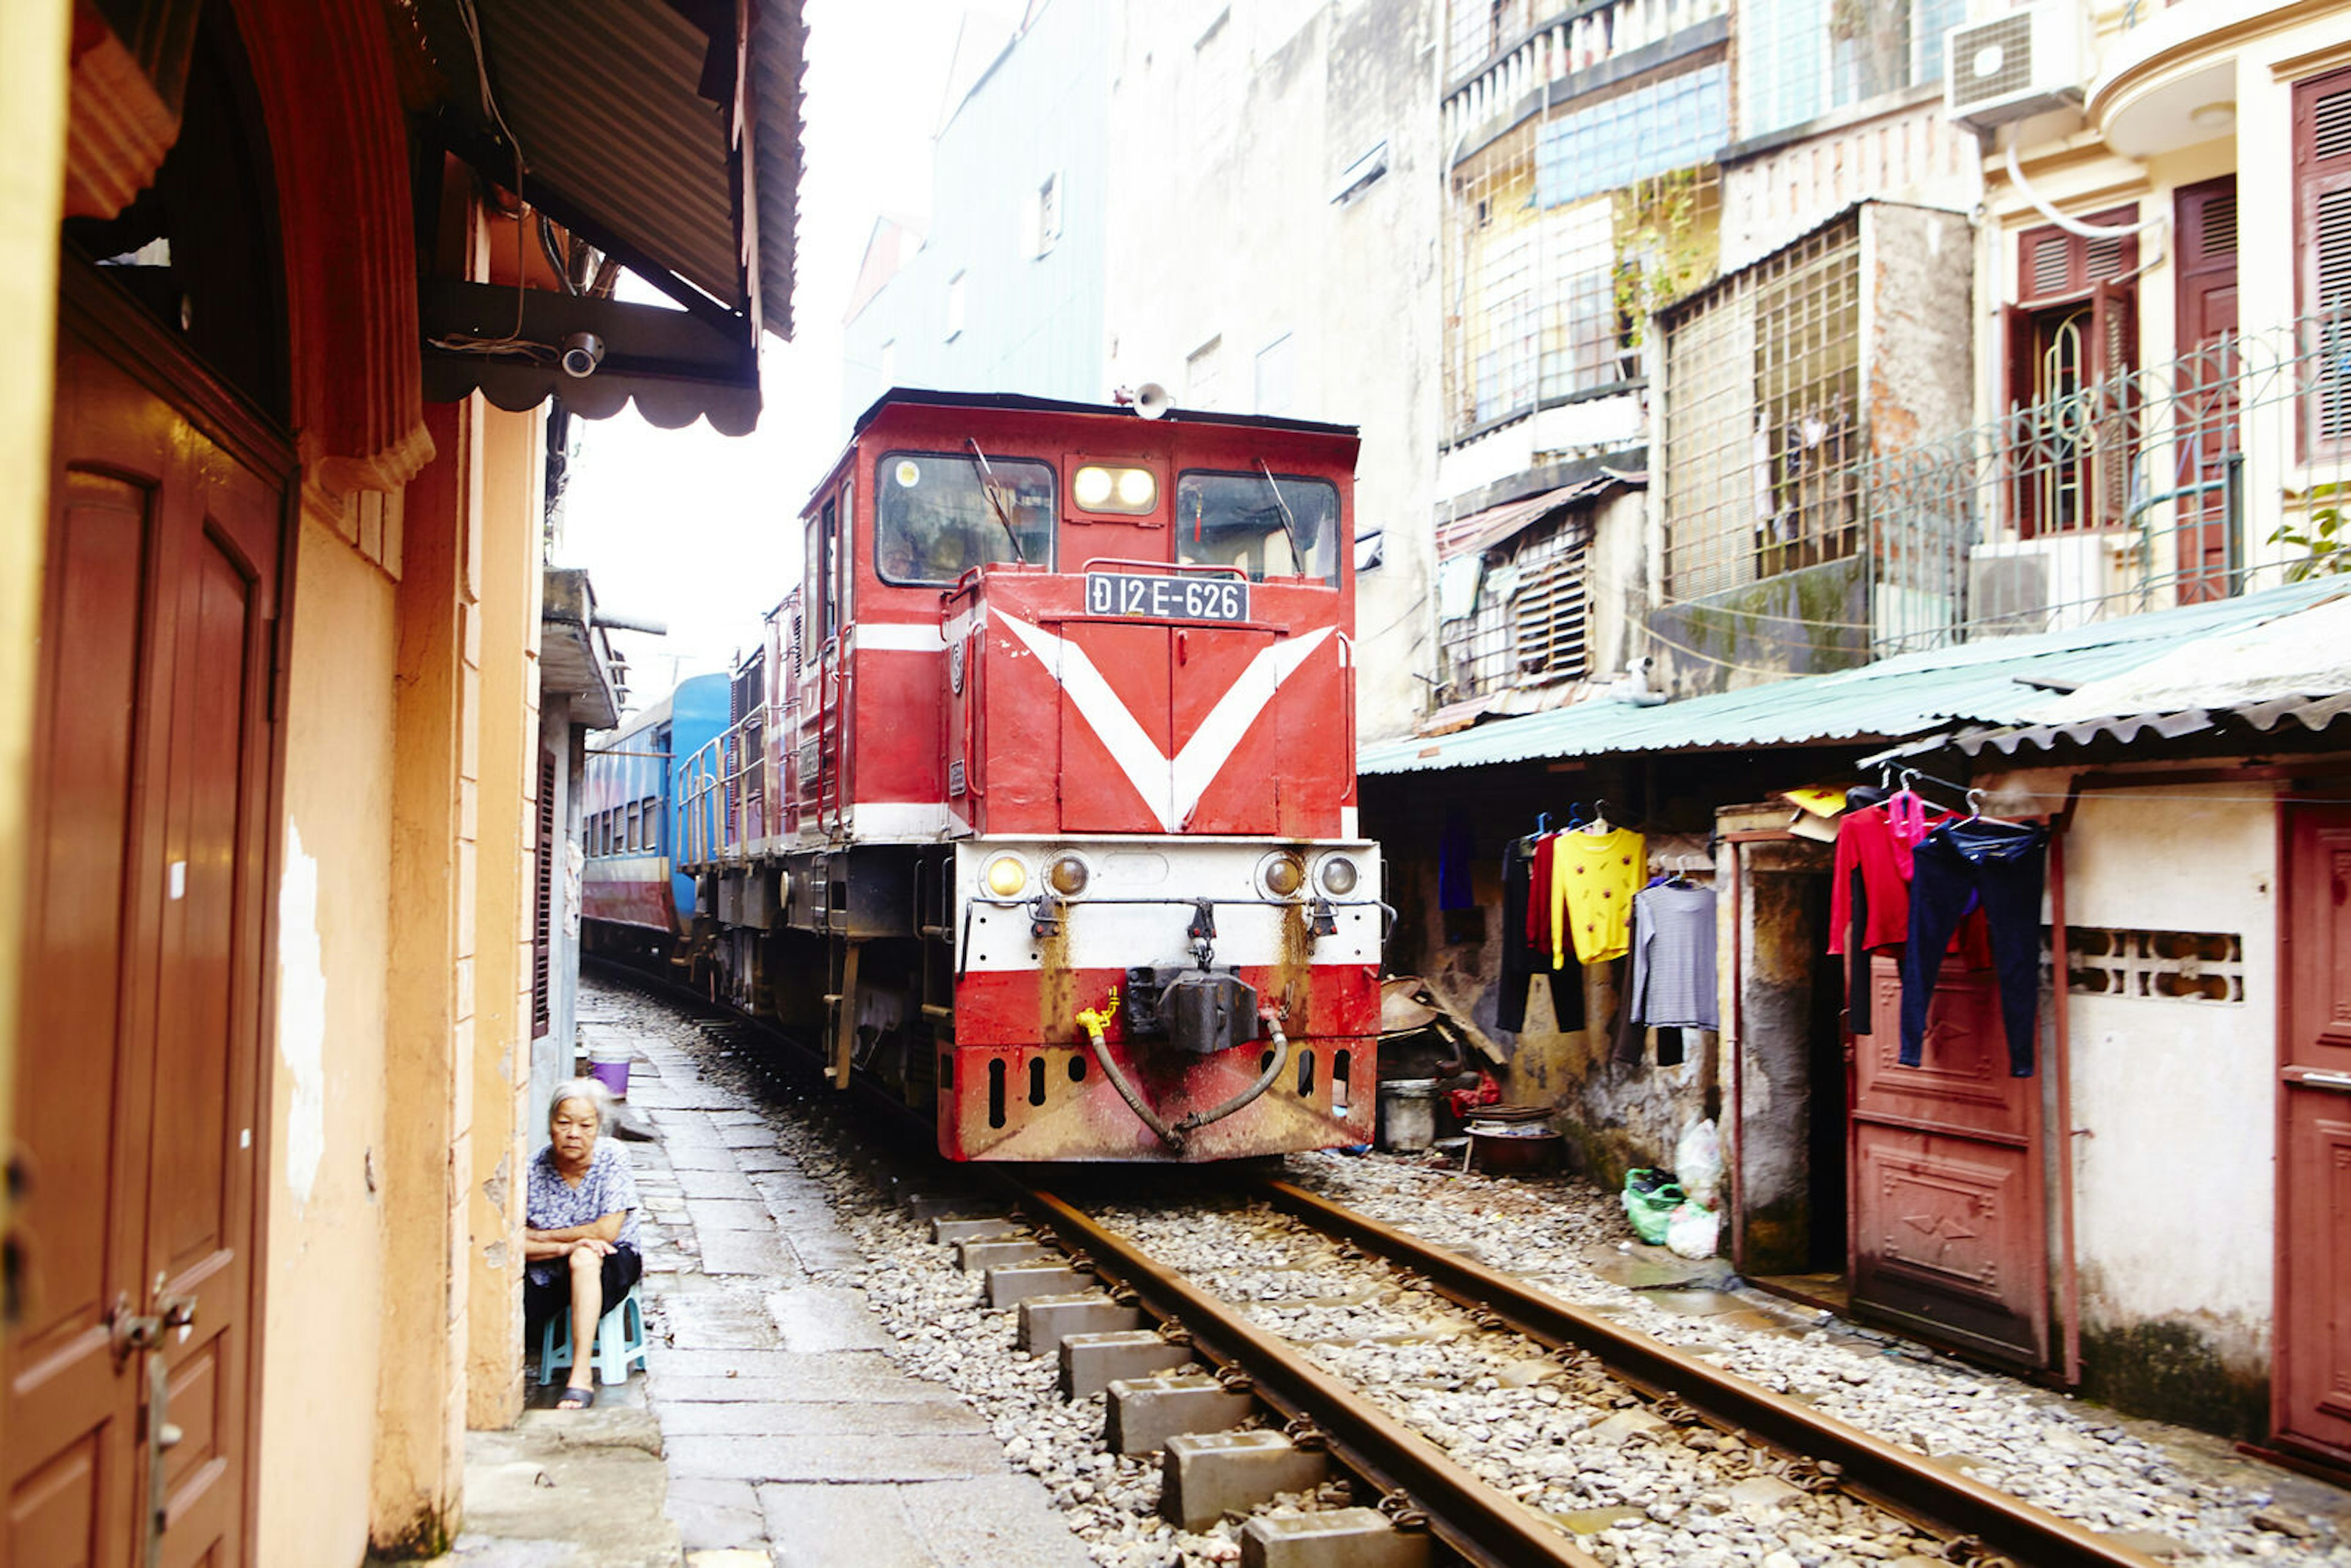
[[1982, 682], [666, 132], [1494, 526], [2277, 680]]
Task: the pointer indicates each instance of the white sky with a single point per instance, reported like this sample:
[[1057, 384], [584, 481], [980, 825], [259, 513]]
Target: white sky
[[700, 530]]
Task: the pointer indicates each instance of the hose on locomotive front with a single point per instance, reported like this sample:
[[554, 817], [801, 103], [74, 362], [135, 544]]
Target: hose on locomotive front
[[1093, 1019]]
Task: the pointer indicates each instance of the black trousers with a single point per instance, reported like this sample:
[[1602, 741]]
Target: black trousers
[[2001, 867], [1521, 963], [623, 1267]]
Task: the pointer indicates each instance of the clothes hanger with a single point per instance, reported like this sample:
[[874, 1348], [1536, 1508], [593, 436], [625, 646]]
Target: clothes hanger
[[1975, 811], [1599, 826]]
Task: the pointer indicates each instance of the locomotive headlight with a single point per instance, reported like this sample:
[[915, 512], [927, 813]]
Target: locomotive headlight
[[1338, 875], [1068, 876], [1007, 876], [1099, 489], [1282, 875]]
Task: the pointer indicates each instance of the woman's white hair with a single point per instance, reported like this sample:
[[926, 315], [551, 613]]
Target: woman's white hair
[[592, 1090]]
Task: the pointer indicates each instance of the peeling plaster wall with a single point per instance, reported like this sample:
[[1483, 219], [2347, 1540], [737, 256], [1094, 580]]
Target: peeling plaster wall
[[2180, 1101], [1229, 145], [321, 1331]]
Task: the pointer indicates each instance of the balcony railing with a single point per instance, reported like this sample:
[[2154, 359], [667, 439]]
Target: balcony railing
[[2216, 474]]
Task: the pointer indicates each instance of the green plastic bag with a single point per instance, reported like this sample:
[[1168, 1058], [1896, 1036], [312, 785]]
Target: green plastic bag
[[1650, 1198]]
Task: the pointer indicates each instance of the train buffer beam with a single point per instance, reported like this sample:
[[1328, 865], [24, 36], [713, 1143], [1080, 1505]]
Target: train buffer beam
[[1047, 1320], [1090, 1362], [1014, 1283], [946, 1229], [995, 1252], [1205, 1475], [1335, 1538], [1144, 1412]]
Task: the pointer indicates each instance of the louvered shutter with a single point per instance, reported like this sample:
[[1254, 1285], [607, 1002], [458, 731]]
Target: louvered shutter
[[2322, 152], [542, 922], [2052, 264]]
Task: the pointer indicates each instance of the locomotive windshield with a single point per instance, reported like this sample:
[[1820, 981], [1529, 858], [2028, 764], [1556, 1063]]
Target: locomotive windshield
[[1268, 524], [934, 520]]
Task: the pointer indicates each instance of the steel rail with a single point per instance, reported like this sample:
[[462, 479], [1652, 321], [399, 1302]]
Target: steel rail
[[1484, 1525], [1870, 1467]]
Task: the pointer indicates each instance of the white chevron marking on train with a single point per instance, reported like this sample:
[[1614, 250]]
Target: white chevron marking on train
[[1171, 787]]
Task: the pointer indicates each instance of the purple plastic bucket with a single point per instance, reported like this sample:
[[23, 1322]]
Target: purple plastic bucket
[[611, 1068]]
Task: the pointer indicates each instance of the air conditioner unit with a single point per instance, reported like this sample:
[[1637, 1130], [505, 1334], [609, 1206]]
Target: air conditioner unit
[[2024, 63], [2048, 584]]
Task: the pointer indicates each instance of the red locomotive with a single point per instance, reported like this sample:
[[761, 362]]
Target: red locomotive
[[1039, 800]]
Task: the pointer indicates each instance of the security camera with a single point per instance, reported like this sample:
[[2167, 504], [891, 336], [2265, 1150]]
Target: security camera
[[582, 352]]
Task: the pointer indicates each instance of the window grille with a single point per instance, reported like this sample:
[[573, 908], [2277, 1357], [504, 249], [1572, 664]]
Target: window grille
[[1529, 621], [1762, 430]]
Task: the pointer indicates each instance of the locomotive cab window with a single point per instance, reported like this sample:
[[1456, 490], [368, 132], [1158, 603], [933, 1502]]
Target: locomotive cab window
[[936, 515], [1268, 524]]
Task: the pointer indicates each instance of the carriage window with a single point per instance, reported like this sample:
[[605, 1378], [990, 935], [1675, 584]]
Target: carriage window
[[934, 519], [817, 585], [632, 840], [651, 818], [1278, 525]]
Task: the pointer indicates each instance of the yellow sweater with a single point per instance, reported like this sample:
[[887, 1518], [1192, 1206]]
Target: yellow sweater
[[1594, 877]]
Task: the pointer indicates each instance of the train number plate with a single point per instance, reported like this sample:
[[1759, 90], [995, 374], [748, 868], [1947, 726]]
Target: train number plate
[[1166, 598]]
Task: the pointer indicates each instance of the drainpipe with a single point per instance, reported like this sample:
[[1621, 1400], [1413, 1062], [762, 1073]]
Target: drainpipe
[[2069, 1283]]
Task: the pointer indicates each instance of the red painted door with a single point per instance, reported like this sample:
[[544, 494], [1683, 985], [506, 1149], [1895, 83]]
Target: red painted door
[[138, 1104], [1949, 1239], [2208, 449], [2312, 1386]]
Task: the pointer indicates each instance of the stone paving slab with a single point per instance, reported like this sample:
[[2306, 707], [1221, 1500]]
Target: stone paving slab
[[726, 1183], [872, 1457], [1001, 1522], [940, 1413], [825, 1318], [711, 1512], [731, 1214], [713, 1156], [722, 1320], [744, 1252]]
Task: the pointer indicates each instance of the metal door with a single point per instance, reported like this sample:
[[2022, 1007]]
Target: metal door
[[128, 1383], [2312, 1384], [1949, 1238]]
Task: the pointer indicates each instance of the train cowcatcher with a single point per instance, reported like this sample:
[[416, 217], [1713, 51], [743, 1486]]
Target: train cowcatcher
[[1036, 803]]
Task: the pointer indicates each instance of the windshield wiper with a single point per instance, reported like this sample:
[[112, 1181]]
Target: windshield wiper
[[996, 501], [1288, 523]]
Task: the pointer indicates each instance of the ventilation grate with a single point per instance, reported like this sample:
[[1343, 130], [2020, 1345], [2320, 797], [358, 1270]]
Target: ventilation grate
[[2106, 255], [2161, 965]]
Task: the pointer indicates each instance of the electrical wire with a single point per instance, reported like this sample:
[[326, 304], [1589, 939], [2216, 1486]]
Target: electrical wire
[[514, 341]]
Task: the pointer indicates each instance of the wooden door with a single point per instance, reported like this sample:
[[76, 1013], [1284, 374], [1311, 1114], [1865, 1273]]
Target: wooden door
[[2208, 460], [129, 1383], [1949, 1238], [2312, 1384]]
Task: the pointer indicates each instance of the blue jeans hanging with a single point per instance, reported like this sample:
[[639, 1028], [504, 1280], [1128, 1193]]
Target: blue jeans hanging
[[2000, 865]]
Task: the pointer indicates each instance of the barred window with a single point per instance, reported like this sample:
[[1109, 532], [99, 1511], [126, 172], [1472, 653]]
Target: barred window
[[1548, 620], [1763, 437]]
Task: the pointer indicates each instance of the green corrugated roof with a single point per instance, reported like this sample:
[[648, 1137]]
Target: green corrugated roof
[[1907, 694]]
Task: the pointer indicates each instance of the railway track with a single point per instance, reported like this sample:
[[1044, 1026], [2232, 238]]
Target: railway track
[[1419, 1484]]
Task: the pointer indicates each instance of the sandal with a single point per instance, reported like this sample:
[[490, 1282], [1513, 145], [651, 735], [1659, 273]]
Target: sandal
[[576, 1399]]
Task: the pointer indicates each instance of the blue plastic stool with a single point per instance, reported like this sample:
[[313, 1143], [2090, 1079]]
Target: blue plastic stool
[[620, 1342]]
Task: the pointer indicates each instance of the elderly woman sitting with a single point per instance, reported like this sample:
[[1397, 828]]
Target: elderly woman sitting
[[580, 1228]]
